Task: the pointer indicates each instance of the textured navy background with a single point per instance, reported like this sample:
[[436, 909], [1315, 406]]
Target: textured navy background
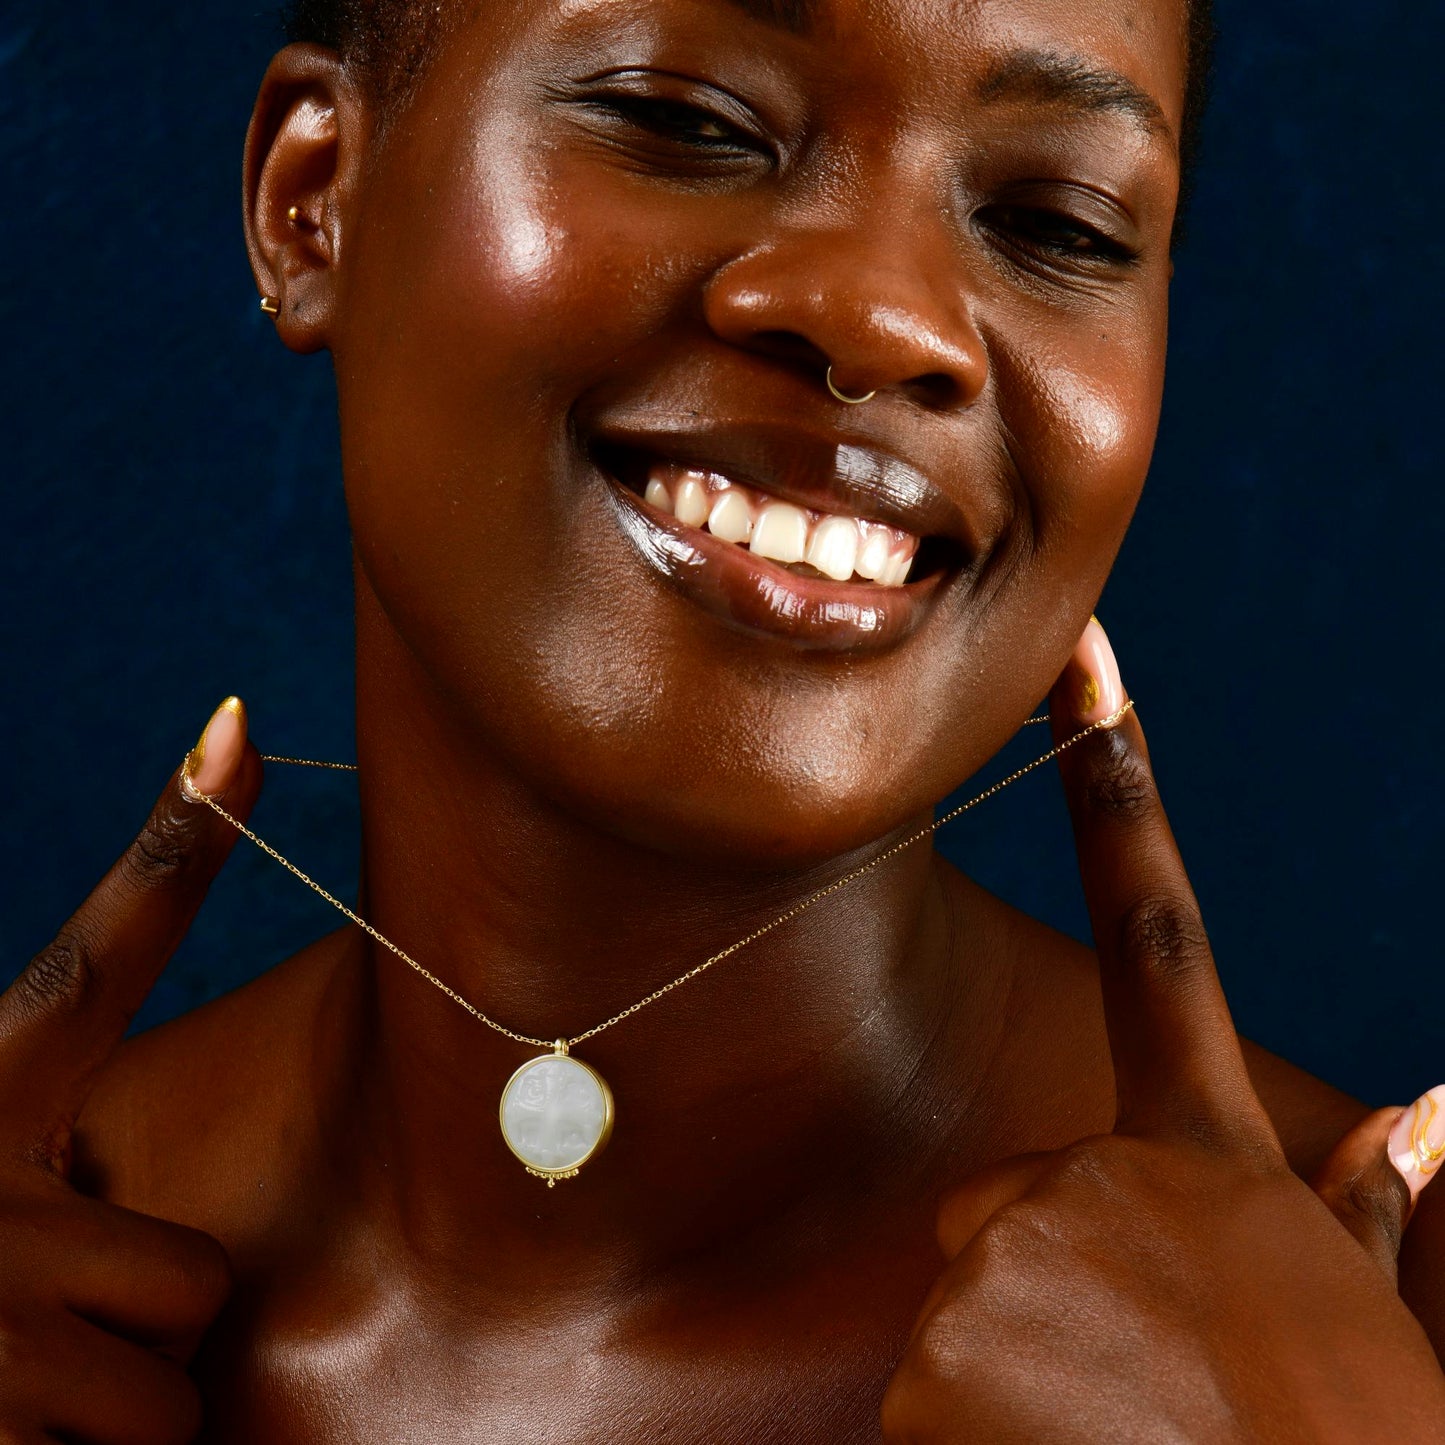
[[173, 528]]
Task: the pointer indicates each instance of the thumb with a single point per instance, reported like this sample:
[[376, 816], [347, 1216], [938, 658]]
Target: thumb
[[1374, 1175], [966, 1209]]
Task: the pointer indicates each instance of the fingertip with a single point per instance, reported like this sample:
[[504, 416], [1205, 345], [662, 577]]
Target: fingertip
[[211, 765], [1093, 690], [1416, 1145]]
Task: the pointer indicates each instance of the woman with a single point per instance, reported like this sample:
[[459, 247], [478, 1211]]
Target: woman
[[633, 310]]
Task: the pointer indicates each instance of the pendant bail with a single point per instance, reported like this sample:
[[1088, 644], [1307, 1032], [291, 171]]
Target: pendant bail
[[560, 1047]]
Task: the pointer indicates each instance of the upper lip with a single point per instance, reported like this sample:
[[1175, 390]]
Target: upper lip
[[830, 472]]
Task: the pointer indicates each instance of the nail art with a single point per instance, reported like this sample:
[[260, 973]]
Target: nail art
[[1099, 693], [231, 709], [1417, 1142]]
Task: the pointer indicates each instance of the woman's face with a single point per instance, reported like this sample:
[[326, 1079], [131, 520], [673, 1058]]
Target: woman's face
[[618, 241]]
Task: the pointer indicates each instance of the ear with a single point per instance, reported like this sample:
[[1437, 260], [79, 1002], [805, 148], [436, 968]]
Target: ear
[[309, 131]]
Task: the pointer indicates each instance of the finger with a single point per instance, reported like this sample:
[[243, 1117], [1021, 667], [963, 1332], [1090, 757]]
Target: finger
[[154, 1282], [1176, 1055], [66, 1011], [1375, 1173], [129, 1396], [966, 1210]]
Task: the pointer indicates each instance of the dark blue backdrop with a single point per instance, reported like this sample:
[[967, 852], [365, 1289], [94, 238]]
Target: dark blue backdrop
[[173, 528]]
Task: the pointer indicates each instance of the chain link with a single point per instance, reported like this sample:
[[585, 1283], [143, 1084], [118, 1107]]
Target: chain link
[[692, 973], [340, 767]]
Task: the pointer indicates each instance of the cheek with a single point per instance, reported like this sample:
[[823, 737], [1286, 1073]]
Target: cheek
[[499, 288], [509, 228], [522, 269], [1084, 413], [546, 276], [474, 330], [1095, 423]]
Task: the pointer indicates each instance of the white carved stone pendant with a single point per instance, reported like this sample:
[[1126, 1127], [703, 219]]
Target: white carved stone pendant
[[556, 1115]]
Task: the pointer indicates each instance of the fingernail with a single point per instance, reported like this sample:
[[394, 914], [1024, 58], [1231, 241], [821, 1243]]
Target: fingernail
[[1098, 688], [211, 764], [1417, 1142]]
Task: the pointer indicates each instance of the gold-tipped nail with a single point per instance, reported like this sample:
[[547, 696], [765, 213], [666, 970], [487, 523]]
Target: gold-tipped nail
[[1417, 1141], [196, 758], [1098, 691]]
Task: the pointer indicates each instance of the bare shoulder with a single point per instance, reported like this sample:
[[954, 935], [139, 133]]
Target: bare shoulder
[[1310, 1118], [1057, 1024], [203, 1120]]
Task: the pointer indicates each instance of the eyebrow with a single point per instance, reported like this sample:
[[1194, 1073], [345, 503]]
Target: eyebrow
[[794, 16], [1069, 80], [1050, 76]]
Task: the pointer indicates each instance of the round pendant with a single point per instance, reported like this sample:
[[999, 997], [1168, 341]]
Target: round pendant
[[556, 1115]]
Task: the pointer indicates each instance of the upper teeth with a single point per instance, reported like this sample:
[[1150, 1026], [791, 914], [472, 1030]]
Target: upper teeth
[[839, 547]]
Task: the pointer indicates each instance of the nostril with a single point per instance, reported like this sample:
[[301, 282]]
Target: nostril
[[937, 390], [790, 346]]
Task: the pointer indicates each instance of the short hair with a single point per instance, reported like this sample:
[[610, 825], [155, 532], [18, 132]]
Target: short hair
[[390, 41]]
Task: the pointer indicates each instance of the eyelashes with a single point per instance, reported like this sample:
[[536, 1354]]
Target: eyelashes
[[689, 127], [1055, 233]]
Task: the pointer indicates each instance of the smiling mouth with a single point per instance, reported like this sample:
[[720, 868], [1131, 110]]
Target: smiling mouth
[[807, 541]]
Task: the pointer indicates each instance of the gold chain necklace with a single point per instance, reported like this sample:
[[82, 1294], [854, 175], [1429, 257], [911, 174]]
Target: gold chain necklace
[[556, 1112]]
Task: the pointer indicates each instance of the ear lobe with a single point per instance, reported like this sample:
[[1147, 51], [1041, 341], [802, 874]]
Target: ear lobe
[[307, 133]]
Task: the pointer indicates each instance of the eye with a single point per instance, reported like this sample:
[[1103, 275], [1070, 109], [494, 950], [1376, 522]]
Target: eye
[[676, 121], [1056, 234]]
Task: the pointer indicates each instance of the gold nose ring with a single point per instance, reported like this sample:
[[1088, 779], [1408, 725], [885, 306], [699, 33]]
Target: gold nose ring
[[851, 400]]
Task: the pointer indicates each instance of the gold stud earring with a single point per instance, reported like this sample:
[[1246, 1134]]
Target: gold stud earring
[[269, 306], [294, 214]]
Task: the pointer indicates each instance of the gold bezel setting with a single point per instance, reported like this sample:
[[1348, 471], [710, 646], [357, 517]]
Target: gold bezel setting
[[569, 1171]]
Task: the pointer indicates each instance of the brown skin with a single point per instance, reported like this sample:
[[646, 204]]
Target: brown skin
[[575, 782]]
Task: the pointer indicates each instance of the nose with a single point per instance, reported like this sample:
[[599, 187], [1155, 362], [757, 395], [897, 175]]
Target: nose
[[883, 314]]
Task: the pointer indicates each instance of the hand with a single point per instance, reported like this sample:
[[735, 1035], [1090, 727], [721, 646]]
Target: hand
[[101, 1307], [1172, 1280]]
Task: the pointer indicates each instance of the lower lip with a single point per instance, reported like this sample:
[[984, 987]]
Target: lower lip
[[760, 597]]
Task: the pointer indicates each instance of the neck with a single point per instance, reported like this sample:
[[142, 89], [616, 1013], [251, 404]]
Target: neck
[[811, 1064]]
